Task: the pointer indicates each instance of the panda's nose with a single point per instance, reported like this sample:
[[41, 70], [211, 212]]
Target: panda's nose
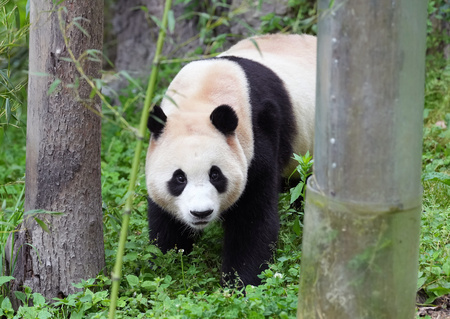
[[202, 214]]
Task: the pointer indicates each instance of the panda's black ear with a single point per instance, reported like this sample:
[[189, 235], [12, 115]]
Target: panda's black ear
[[225, 119], [156, 121]]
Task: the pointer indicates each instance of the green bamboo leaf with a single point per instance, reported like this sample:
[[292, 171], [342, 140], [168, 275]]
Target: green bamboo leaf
[[83, 30], [96, 59], [98, 83], [53, 86], [157, 119], [8, 110], [8, 225], [168, 97], [157, 21], [6, 82], [2, 134], [130, 79], [39, 73], [142, 8], [92, 94], [65, 59], [171, 21], [204, 15], [94, 55], [17, 17], [42, 211], [42, 224]]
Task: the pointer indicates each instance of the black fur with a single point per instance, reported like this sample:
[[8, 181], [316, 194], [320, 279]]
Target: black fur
[[252, 224], [167, 231], [156, 121]]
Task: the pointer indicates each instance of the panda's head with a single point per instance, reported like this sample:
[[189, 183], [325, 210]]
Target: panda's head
[[195, 168]]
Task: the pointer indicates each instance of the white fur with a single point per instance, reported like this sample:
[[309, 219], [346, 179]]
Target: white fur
[[198, 196], [191, 156]]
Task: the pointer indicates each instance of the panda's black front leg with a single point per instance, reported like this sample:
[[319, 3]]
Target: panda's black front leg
[[251, 233], [166, 231]]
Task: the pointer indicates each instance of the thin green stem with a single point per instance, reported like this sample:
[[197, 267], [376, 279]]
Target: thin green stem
[[182, 269], [117, 272]]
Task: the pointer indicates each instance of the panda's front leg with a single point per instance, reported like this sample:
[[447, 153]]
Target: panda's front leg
[[251, 233], [166, 231]]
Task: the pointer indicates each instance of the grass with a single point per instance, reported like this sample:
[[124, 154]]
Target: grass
[[178, 286]]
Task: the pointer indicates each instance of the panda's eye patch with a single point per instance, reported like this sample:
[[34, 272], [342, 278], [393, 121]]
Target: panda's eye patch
[[217, 179], [177, 183]]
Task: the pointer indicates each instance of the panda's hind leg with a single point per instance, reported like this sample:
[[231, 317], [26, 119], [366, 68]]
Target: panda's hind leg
[[167, 232]]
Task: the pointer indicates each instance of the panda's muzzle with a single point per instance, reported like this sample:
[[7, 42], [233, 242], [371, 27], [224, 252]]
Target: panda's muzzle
[[203, 214]]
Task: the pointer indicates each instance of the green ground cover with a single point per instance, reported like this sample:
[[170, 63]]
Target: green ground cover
[[179, 286]]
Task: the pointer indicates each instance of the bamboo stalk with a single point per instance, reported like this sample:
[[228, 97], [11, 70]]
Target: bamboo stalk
[[117, 272]]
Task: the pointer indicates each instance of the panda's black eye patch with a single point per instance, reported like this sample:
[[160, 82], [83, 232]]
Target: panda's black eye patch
[[217, 179], [177, 183]]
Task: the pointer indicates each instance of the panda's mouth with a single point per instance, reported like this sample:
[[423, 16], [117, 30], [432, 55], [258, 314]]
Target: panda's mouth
[[201, 223]]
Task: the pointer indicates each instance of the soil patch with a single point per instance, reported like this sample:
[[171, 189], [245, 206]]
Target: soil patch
[[439, 310]]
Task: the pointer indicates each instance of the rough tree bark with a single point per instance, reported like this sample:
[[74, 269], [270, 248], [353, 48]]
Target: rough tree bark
[[63, 152], [136, 34]]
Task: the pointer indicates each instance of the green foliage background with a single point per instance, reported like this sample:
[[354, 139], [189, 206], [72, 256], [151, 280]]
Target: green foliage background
[[177, 286]]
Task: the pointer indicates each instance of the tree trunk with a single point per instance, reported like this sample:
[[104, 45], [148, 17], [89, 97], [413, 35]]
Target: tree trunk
[[63, 152]]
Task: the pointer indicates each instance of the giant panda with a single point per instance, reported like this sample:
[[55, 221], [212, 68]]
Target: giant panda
[[220, 143]]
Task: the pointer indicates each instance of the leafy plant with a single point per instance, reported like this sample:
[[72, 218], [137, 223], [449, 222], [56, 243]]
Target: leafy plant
[[434, 261], [13, 59], [303, 170], [300, 18]]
